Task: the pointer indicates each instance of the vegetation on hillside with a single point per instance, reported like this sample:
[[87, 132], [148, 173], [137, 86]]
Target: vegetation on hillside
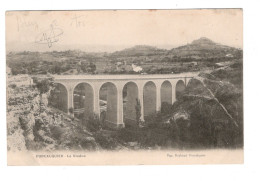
[[202, 54]]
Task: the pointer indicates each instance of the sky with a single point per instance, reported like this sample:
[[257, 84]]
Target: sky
[[110, 30]]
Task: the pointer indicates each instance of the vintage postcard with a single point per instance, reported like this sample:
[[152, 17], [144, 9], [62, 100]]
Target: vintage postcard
[[124, 87]]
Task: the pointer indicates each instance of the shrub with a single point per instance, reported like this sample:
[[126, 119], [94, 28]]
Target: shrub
[[93, 123], [13, 86], [43, 86], [71, 110], [166, 108]]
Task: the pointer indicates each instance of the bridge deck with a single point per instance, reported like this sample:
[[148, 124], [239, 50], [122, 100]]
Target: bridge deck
[[125, 76]]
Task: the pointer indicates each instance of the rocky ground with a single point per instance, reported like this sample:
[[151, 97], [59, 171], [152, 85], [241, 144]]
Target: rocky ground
[[32, 125]]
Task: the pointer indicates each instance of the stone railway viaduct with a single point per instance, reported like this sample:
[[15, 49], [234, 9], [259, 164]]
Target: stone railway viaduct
[[150, 90]]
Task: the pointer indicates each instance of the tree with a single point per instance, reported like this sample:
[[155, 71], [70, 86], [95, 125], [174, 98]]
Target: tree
[[57, 69], [92, 67], [71, 110], [43, 87], [78, 69], [138, 111], [84, 67]]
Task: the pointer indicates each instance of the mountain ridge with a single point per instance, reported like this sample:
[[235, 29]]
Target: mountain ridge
[[139, 50], [203, 48], [199, 48]]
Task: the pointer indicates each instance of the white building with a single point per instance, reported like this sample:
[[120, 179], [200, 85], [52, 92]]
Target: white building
[[136, 68]]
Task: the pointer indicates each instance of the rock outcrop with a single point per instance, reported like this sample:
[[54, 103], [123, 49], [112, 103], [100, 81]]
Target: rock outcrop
[[32, 125], [213, 112]]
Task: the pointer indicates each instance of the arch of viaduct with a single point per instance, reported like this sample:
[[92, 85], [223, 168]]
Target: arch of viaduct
[[137, 85]]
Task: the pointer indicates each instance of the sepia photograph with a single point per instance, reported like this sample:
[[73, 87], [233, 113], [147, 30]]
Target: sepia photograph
[[124, 87]]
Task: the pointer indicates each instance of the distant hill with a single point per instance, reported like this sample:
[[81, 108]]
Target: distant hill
[[27, 56], [139, 50], [204, 48], [199, 49]]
